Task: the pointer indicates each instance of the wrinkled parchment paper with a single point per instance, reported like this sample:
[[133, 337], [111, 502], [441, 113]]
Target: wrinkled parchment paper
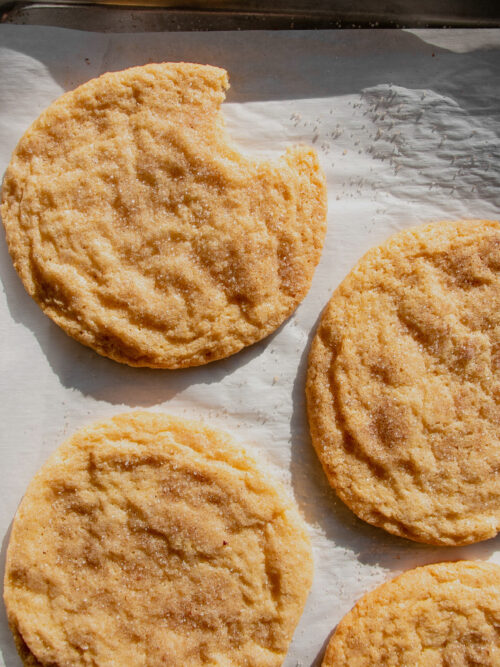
[[407, 127]]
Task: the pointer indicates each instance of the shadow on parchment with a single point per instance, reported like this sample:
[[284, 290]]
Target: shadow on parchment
[[266, 65]]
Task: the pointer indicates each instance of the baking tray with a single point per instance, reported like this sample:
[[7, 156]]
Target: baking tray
[[407, 127], [188, 15]]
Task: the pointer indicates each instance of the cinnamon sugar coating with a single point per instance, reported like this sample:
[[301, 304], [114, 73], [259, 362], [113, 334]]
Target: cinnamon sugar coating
[[144, 234], [403, 384], [443, 615], [149, 540]]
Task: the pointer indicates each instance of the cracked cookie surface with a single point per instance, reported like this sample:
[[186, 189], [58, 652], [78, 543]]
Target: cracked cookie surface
[[440, 615], [144, 234], [149, 540], [403, 384]]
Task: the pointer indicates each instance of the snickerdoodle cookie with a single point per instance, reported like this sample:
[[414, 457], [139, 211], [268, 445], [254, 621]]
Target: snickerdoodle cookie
[[149, 540], [435, 616], [403, 384], [142, 232]]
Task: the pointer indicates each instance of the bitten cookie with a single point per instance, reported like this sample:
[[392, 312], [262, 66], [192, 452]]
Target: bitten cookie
[[149, 540], [144, 234], [439, 615], [403, 384]]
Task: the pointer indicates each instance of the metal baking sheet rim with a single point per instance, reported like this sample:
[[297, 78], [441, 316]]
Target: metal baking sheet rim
[[154, 16]]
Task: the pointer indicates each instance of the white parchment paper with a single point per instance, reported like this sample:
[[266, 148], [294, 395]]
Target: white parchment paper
[[407, 127]]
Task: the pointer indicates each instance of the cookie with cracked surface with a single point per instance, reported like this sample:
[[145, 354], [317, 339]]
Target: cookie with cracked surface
[[144, 234], [149, 540], [438, 615], [403, 384]]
